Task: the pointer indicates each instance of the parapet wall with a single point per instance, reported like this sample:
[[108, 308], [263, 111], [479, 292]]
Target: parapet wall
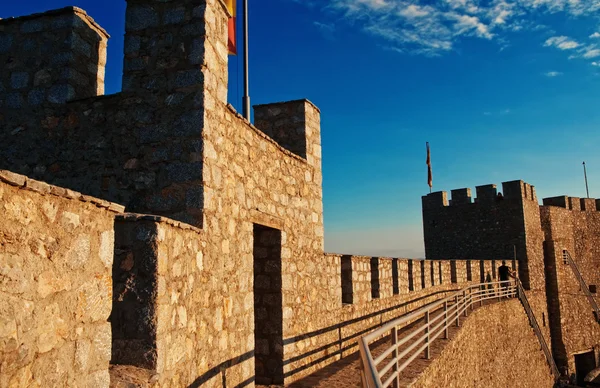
[[56, 254], [51, 58], [213, 333]]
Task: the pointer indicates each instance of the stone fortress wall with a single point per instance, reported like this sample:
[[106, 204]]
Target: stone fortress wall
[[218, 271], [189, 284], [536, 235], [56, 257], [166, 311]]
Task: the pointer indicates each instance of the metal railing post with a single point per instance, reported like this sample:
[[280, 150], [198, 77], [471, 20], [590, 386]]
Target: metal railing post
[[465, 303], [427, 350], [481, 289], [446, 320], [457, 313], [499, 285], [394, 335], [471, 299]]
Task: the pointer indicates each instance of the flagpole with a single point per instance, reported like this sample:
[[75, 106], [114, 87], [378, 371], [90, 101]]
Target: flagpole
[[586, 182], [246, 98]]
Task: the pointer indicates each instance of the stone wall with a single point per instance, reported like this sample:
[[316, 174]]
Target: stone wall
[[493, 228], [329, 335], [142, 147], [485, 229], [166, 277], [576, 228], [51, 58], [56, 254], [495, 347]]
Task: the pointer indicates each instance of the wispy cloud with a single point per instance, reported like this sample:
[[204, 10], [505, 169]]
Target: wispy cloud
[[434, 28], [591, 52], [497, 113], [562, 43], [595, 35], [553, 74], [596, 64]]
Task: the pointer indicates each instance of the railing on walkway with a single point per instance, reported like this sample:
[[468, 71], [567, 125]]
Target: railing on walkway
[[582, 284], [438, 317], [536, 328]]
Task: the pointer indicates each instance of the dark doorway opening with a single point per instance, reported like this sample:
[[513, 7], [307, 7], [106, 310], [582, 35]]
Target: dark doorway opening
[[268, 310], [584, 364]]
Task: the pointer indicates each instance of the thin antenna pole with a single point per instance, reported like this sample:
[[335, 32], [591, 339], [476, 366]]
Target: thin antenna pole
[[246, 98], [586, 183]]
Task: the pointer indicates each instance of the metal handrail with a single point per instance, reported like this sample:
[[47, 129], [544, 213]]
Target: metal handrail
[[447, 311], [536, 328], [582, 284]]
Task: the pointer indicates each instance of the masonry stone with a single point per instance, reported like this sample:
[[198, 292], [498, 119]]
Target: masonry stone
[[158, 229]]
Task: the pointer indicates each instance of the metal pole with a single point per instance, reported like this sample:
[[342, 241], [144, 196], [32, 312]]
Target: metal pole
[[446, 320], [457, 311], [586, 183], [427, 351], [394, 335], [246, 98]]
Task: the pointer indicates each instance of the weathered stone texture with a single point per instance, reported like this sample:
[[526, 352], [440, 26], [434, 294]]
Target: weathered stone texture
[[496, 347], [55, 285], [540, 234], [482, 230], [571, 317], [233, 286], [53, 57]]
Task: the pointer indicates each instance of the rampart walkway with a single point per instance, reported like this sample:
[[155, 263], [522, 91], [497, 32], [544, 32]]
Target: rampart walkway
[[346, 372]]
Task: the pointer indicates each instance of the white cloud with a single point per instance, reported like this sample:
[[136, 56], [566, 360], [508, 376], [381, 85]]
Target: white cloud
[[562, 43], [591, 53], [553, 74], [415, 11], [324, 26], [470, 24], [595, 35], [436, 27], [596, 64]]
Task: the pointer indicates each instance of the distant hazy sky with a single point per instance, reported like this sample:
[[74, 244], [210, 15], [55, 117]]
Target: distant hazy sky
[[502, 91]]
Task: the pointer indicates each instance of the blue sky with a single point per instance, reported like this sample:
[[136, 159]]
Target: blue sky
[[502, 91]]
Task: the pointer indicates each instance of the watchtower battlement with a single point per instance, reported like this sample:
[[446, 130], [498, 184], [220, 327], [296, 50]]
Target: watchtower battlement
[[573, 203], [51, 57], [486, 195]]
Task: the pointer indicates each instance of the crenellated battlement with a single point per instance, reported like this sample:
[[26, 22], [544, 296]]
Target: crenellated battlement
[[486, 195], [573, 203], [51, 58]]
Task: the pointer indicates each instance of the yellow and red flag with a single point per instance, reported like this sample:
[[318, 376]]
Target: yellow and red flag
[[429, 175], [232, 41]]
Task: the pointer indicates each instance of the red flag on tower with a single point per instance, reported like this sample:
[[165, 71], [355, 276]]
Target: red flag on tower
[[429, 175], [232, 41]]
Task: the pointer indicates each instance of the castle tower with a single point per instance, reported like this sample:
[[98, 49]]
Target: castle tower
[[486, 228]]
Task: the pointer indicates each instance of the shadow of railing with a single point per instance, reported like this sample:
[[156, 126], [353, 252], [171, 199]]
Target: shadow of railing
[[341, 349]]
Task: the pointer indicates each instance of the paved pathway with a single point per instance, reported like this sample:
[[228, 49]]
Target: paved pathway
[[346, 372]]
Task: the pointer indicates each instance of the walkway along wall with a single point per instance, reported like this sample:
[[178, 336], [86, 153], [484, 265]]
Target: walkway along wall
[[168, 314], [495, 347], [462, 229]]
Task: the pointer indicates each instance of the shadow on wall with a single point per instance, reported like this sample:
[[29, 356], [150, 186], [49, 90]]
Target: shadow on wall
[[339, 344]]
